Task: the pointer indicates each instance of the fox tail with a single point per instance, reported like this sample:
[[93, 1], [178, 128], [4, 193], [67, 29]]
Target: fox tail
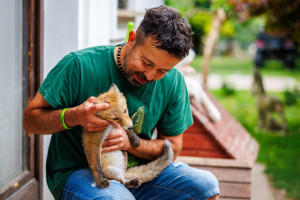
[[152, 169]]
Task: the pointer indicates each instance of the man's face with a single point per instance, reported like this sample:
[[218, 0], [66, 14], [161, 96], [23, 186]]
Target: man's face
[[145, 63]]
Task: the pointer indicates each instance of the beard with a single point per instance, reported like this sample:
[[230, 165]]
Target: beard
[[140, 75], [130, 74]]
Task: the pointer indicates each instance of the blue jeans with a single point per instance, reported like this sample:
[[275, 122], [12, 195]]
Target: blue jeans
[[177, 181]]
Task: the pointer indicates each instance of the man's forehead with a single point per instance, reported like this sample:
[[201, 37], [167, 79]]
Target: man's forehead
[[163, 62], [148, 59], [158, 57]]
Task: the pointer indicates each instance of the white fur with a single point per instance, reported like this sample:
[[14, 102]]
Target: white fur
[[109, 129], [116, 166], [196, 91]]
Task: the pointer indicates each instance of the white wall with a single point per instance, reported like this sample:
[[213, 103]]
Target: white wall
[[60, 30], [141, 5], [70, 25], [60, 37], [94, 22]]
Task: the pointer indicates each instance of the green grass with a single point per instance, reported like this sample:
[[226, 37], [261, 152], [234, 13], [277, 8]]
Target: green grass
[[228, 65], [280, 154]]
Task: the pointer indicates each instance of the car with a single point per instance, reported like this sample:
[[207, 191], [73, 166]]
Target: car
[[272, 47]]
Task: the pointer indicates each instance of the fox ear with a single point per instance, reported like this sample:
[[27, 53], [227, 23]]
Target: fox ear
[[113, 88]]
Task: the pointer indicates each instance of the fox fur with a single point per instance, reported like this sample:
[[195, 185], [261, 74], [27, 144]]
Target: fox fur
[[113, 165]]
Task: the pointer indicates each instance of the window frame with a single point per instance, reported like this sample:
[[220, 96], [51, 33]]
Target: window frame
[[29, 183]]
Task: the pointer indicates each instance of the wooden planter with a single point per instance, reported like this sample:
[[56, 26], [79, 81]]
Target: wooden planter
[[225, 148]]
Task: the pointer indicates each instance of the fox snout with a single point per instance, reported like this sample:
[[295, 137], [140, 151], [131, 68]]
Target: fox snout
[[129, 128], [127, 124]]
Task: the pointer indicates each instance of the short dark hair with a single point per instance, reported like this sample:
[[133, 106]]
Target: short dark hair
[[170, 31]]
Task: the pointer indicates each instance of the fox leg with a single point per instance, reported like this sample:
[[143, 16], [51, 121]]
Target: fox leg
[[97, 169], [130, 183], [91, 144], [134, 139], [114, 173]]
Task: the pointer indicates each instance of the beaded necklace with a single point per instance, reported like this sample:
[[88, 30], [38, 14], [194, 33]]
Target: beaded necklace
[[119, 59]]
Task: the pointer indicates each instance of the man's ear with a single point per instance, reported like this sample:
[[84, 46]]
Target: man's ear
[[131, 38]]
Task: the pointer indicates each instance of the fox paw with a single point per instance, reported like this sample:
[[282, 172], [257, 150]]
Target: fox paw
[[135, 143], [103, 184], [133, 183]]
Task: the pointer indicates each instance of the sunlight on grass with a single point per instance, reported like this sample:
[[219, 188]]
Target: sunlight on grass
[[229, 65], [280, 154]]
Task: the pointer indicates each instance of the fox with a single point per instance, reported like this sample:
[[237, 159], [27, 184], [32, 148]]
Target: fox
[[113, 165]]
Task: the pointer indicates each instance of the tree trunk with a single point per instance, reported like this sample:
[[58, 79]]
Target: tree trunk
[[211, 41]]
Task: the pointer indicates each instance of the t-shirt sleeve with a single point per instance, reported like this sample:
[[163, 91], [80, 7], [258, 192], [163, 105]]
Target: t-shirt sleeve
[[60, 88], [177, 116]]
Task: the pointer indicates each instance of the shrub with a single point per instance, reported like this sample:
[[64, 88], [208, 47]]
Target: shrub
[[291, 96], [227, 89]]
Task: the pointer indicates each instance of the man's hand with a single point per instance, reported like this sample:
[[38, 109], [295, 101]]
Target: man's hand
[[41, 118], [86, 115], [116, 140]]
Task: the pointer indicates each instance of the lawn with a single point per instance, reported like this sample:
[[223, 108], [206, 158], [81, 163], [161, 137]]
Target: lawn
[[228, 65], [280, 154]]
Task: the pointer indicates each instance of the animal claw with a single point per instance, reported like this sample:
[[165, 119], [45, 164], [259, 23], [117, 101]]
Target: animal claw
[[103, 184]]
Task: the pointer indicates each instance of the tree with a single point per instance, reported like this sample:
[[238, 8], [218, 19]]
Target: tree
[[282, 17]]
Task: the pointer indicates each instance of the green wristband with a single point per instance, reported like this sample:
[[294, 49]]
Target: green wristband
[[62, 120]]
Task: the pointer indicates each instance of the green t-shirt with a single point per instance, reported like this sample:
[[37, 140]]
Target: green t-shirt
[[89, 72]]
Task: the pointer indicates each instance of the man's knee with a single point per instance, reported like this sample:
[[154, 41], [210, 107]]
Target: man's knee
[[203, 182], [207, 178], [197, 176], [80, 186]]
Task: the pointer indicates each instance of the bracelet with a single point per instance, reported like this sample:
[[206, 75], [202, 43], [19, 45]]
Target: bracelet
[[62, 114]]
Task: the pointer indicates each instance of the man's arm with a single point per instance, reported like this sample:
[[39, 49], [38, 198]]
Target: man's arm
[[148, 149], [41, 118], [151, 149]]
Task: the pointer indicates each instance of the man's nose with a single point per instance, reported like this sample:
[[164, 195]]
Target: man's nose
[[150, 74]]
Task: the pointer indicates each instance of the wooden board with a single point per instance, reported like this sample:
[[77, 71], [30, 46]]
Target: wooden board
[[228, 136], [234, 176]]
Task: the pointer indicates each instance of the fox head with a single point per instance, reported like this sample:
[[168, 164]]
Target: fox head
[[117, 111]]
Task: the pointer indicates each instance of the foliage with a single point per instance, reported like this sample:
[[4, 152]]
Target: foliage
[[244, 19], [246, 31], [200, 23], [228, 29], [282, 17], [199, 14], [291, 96], [279, 153], [185, 7], [202, 3], [227, 89], [221, 4]]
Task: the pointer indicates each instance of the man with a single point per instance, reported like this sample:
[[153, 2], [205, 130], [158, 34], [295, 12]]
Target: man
[[143, 71]]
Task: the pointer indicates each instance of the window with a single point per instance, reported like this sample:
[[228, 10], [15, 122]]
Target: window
[[12, 146], [20, 166]]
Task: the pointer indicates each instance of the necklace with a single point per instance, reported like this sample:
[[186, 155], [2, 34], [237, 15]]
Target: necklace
[[119, 59]]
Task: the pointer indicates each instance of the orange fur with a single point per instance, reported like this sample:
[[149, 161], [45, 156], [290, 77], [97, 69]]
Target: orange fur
[[113, 165]]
